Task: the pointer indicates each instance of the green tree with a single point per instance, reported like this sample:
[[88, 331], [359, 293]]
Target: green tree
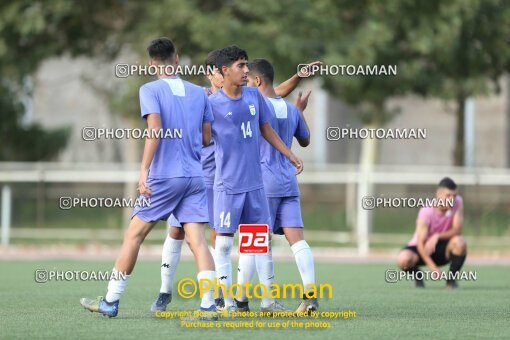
[[468, 53], [450, 50], [30, 32]]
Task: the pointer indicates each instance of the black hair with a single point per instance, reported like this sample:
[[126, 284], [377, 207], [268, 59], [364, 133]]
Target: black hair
[[211, 58], [448, 183], [262, 68], [161, 49], [229, 55]]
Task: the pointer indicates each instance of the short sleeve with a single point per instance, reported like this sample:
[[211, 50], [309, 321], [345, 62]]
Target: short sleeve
[[265, 112], [149, 103], [208, 115], [302, 131], [425, 215], [458, 201]]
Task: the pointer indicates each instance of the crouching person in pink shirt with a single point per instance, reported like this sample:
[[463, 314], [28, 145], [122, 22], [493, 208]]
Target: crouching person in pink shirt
[[437, 239]]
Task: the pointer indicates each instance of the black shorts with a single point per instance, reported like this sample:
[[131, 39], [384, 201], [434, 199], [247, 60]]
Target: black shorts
[[439, 255]]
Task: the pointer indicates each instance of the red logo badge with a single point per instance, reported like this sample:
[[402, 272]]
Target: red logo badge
[[253, 238]]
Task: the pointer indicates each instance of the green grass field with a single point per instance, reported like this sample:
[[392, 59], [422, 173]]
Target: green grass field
[[479, 309]]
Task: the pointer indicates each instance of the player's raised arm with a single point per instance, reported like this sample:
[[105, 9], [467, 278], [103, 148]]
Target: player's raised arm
[[303, 131], [422, 231], [285, 88], [301, 101]]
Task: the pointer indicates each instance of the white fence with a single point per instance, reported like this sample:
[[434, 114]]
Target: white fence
[[11, 173]]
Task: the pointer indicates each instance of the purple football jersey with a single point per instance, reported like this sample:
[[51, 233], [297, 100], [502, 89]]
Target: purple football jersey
[[236, 136], [183, 108]]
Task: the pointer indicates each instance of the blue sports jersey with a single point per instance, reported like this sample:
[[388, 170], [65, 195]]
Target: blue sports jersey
[[278, 172], [236, 136], [183, 108]]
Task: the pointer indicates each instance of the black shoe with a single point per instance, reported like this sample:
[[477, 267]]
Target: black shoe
[[161, 302], [452, 285], [419, 284], [220, 303], [242, 306]]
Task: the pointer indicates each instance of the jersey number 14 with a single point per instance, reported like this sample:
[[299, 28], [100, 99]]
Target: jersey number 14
[[246, 128], [225, 220]]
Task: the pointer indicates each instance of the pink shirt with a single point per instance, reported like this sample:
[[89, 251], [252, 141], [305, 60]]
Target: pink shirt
[[437, 222]]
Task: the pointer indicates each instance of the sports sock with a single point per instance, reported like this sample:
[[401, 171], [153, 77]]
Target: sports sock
[[213, 253], [245, 272], [215, 259], [417, 275], [208, 295], [224, 246], [414, 270], [170, 258], [304, 260], [265, 271], [116, 286], [455, 265]]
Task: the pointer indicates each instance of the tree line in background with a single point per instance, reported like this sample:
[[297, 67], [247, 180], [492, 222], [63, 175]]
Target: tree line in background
[[450, 50]]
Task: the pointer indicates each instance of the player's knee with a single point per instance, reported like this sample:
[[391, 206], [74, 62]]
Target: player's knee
[[196, 243], [293, 235], [134, 236], [177, 233], [404, 261], [459, 243]]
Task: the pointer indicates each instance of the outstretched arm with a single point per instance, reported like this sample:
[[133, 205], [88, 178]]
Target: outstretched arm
[[303, 129], [301, 101], [286, 88]]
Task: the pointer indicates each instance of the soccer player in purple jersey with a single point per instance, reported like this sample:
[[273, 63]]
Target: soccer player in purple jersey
[[437, 239], [241, 117], [280, 184], [172, 246], [171, 175]]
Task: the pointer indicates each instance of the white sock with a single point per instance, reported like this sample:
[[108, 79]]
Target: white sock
[[215, 258], [224, 246], [170, 258], [245, 272], [213, 253], [208, 296], [304, 261], [265, 270], [116, 286]]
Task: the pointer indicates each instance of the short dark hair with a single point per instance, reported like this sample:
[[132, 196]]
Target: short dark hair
[[210, 60], [229, 55], [161, 49], [262, 68], [448, 183]]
